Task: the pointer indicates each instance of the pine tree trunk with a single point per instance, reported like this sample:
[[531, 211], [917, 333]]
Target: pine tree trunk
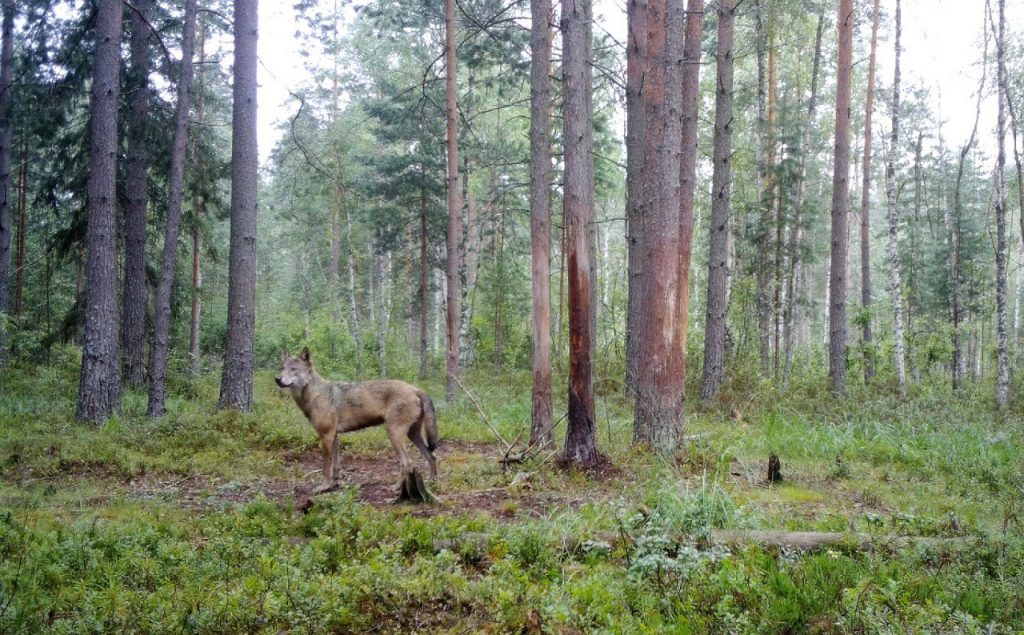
[[198, 211], [578, 202], [540, 221], [175, 194], [236, 379], [840, 202], [954, 220], [636, 66], [794, 309], [761, 257], [688, 172], [454, 208], [424, 298], [133, 318], [99, 388], [471, 267], [659, 395], [19, 277], [721, 207], [6, 139], [1002, 347], [865, 207]]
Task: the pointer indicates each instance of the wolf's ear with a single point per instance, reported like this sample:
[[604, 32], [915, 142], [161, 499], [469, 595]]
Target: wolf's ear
[[305, 354]]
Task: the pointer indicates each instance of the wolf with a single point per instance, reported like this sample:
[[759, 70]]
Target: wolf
[[404, 410]]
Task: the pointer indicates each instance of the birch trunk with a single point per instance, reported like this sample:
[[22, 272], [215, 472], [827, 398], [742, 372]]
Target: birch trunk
[[6, 152], [454, 234], [896, 289], [1002, 348]]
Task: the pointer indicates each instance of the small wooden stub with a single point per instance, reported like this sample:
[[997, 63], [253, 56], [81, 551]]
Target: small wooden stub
[[414, 490]]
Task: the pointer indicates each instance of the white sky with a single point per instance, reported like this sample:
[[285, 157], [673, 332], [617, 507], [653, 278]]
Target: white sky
[[941, 51]]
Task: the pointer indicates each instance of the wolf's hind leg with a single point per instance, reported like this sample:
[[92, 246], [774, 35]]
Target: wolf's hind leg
[[416, 436]]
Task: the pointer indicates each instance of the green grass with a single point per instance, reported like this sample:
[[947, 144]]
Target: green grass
[[96, 536]]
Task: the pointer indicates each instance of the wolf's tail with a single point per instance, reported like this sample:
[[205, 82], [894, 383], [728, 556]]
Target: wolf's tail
[[429, 419]]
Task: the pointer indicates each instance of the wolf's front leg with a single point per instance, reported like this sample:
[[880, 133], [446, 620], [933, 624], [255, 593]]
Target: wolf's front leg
[[328, 451]]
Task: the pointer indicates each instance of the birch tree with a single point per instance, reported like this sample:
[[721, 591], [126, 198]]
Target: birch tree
[[892, 209]]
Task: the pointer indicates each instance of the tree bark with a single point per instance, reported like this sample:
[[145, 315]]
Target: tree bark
[[865, 207], [761, 159], [893, 216], [424, 291], [840, 202], [198, 211], [99, 388], [236, 379], [540, 221], [688, 174], [454, 208], [659, 395], [353, 309], [912, 295], [175, 194], [578, 203], [1002, 348], [721, 207], [19, 263], [636, 67], [6, 151], [954, 220], [794, 311]]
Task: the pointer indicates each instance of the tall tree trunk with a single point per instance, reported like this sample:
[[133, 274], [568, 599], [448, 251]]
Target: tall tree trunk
[[794, 310], [893, 215], [236, 379], [636, 67], [424, 292], [762, 305], [959, 365], [659, 395], [912, 281], [19, 274], [133, 319], [840, 202], [175, 194], [721, 207], [578, 203], [865, 207], [454, 208], [99, 388], [540, 220], [6, 139], [688, 171], [1002, 348], [353, 309], [471, 266], [198, 211]]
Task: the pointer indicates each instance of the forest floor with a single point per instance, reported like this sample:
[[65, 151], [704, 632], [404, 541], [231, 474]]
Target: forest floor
[[203, 520]]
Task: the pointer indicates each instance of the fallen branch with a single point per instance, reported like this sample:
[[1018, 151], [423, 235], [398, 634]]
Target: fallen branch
[[483, 416]]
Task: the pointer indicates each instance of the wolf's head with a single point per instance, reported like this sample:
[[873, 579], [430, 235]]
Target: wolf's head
[[296, 370]]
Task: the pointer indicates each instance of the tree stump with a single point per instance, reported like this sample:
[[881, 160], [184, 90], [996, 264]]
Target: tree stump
[[774, 469], [414, 490]]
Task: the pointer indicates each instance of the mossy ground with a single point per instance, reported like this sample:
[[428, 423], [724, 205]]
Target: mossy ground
[[195, 522]]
